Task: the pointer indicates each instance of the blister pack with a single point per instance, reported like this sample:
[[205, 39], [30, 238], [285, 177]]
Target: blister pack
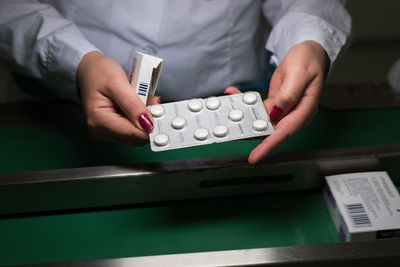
[[212, 120]]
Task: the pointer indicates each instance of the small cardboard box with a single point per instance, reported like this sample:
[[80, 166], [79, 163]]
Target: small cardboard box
[[363, 206], [144, 74]]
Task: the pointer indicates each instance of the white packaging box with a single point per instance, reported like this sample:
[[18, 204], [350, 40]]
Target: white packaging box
[[363, 206], [144, 74]]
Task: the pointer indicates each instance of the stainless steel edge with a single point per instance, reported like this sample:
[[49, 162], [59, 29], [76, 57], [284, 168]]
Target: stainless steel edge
[[200, 178], [365, 253]]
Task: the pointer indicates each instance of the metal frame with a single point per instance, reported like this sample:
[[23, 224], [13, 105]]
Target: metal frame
[[175, 180], [366, 253]]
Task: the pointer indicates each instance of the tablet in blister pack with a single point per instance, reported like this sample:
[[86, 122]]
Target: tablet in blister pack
[[212, 120]]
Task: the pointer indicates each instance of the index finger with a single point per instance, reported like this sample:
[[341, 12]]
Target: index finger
[[285, 128], [270, 143]]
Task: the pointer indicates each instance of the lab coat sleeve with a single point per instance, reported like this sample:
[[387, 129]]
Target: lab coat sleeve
[[294, 21], [36, 40]]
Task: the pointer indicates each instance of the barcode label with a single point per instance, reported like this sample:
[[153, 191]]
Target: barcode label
[[358, 216], [143, 89]]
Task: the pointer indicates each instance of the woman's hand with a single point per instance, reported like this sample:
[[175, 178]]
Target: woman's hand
[[293, 94], [114, 111]]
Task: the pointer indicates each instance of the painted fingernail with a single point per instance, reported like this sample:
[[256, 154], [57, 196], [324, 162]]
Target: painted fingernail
[[145, 122], [159, 100], [275, 113]]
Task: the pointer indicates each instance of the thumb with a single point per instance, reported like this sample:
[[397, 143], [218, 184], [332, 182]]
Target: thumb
[[132, 106], [289, 94], [231, 90], [154, 100]]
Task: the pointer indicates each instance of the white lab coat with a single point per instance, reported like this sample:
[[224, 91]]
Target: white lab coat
[[206, 44], [394, 76]]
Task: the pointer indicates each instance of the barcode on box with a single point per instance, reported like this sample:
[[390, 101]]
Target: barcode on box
[[143, 88], [358, 216]]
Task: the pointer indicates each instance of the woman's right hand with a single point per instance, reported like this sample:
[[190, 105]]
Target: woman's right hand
[[114, 111]]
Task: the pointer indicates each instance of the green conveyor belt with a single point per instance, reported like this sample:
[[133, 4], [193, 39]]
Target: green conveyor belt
[[179, 227], [43, 147], [279, 219]]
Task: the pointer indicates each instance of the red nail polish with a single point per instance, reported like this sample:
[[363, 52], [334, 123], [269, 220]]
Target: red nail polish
[[275, 113], [145, 122], [159, 100]]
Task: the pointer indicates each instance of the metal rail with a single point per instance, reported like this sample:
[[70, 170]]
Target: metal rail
[[175, 180], [366, 253]]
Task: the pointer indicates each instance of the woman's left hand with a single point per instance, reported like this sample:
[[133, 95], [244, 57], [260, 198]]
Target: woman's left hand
[[293, 94]]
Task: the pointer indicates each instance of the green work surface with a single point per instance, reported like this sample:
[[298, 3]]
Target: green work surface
[[279, 219], [191, 226], [55, 146]]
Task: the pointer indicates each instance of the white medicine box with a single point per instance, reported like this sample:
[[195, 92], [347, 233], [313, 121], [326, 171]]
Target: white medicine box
[[144, 74], [363, 206]]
